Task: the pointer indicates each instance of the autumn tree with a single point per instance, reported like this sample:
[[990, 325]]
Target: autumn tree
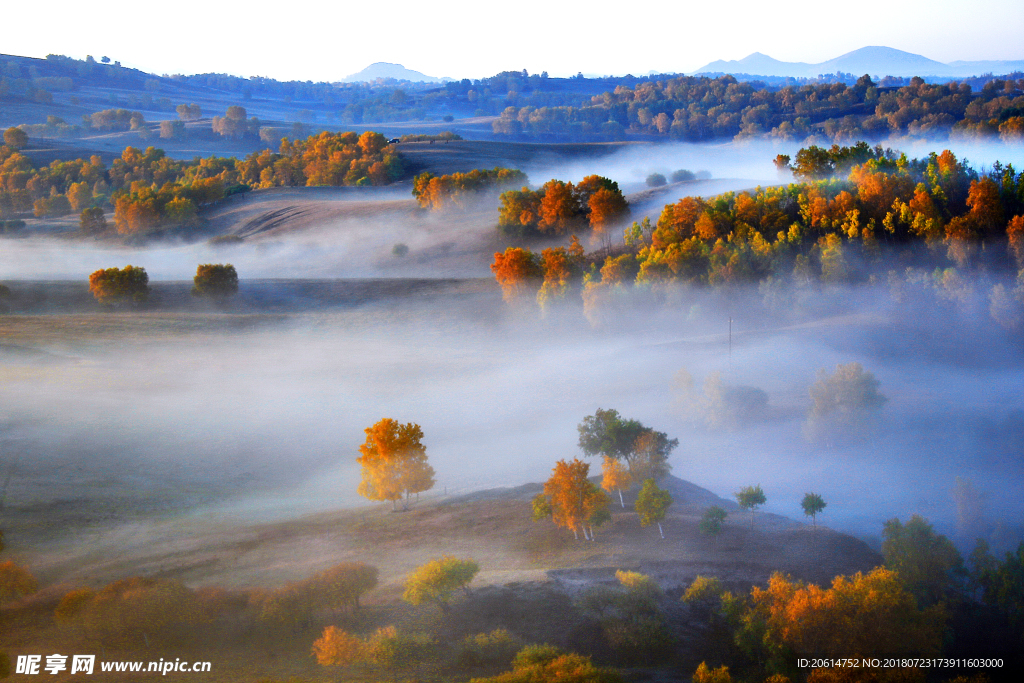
[[15, 581], [651, 504], [751, 498], [855, 617], [15, 138], [394, 462], [113, 286], [812, 504], [616, 477], [560, 209], [215, 281], [517, 272], [437, 580], [572, 499], [338, 648]]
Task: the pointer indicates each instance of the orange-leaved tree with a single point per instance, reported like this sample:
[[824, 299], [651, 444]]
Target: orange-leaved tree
[[517, 271], [394, 462], [858, 615], [572, 499]]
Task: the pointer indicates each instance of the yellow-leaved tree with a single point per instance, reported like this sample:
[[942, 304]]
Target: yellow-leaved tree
[[394, 462]]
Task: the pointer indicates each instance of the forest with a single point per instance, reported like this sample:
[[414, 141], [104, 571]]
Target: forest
[[858, 215]]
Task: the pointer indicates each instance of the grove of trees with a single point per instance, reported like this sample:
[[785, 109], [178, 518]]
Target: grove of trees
[[437, 192], [112, 286], [559, 208], [149, 191]]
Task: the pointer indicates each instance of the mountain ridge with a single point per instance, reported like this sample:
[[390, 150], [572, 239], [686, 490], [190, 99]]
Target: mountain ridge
[[875, 60]]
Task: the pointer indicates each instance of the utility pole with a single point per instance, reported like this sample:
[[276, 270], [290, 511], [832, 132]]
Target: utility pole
[[730, 344]]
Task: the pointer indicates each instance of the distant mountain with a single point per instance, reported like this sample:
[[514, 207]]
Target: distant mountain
[[876, 61], [388, 70], [760, 64]]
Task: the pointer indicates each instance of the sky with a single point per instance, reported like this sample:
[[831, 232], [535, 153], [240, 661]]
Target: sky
[[468, 39]]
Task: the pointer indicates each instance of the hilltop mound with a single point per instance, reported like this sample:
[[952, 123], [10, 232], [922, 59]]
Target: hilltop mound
[[493, 527]]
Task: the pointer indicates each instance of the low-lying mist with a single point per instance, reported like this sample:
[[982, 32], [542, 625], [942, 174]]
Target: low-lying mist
[[265, 423]]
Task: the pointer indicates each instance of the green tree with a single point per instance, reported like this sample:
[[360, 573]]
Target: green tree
[[215, 280], [651, 504], [437, 580], [751, 498], [92, 221], [120, 285], [812, 504], [928, 563], [543, 663], [605, 433], [711, 521]]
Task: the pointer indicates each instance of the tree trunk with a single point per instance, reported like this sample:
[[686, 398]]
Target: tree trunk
[[592, 534], [660, 531], [575, 535], [621, 502]]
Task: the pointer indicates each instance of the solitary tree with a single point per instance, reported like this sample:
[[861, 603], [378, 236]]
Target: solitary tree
[[711, 522], [842, 400], [751, 498], [215, 280], [652, 504], [120, 285], [570, 496], [812, 505], [15, 138], [438, 579], [394, 462]]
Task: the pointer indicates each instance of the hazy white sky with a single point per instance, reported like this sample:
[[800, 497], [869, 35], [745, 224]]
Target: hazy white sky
[[468, 39]]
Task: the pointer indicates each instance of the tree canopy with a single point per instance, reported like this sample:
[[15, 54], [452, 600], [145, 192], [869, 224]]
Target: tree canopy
[[394, 461], [215, 281], [651, 504], [573, 501], [641, 448], [113, 286]]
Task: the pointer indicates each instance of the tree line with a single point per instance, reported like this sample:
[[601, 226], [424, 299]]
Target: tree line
[[698, 108], [149, 191]]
